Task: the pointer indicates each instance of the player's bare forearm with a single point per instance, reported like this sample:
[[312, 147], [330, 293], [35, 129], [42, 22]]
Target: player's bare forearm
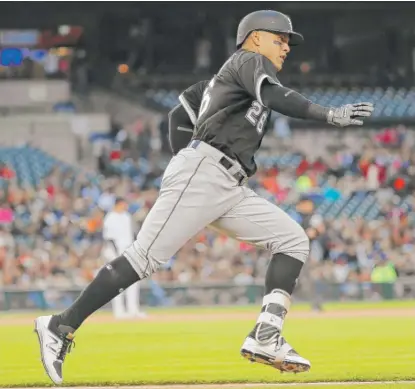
[[291, 103]]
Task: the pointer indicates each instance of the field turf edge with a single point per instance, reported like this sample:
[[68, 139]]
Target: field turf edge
[[137, 383]]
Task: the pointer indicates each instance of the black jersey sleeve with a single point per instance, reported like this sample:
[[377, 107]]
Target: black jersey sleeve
[[291, 103], [254, 70], [180, 129], [191, 99]]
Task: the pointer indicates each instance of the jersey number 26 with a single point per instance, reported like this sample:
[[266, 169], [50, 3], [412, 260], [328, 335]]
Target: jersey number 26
[[257, 115]]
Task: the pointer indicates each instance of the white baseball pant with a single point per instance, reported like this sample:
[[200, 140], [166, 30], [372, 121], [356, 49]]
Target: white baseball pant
[[198, 191]]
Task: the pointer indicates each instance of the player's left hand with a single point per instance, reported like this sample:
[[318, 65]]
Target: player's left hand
[[349, 114]]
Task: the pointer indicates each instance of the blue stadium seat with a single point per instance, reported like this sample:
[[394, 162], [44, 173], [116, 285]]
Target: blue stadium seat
[[336, 208], [31, 165], [324, 207], [350, 207], [373, 213], [364, 206]]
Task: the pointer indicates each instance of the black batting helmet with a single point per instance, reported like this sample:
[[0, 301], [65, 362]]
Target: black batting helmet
[[267, 20]]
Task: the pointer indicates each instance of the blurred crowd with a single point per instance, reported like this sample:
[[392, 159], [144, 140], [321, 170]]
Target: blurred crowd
[[51, 235]]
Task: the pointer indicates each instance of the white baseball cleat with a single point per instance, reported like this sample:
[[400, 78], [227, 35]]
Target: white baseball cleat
[[55, 342], [277, 353]]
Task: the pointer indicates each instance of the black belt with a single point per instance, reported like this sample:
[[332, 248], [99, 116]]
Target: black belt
[[227, 165], [239, 177]]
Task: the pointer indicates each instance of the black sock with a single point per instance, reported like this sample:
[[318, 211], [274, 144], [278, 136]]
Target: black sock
[[111, 280], [282, 274]]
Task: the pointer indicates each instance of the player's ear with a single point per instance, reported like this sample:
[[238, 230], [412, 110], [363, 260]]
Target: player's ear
[[256, 37]]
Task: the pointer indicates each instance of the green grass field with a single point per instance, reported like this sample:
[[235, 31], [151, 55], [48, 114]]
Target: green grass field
[[349, 348]]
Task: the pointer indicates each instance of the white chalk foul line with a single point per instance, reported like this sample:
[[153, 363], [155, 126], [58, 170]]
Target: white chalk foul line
[[263, 385], [242, 386]]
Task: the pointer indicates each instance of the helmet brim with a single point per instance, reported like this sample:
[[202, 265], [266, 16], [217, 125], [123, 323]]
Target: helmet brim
[[295, 38]]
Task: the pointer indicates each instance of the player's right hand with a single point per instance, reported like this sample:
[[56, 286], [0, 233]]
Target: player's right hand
[[349, 114]]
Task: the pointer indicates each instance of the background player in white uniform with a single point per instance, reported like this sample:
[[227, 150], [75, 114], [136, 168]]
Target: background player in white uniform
[[118, 233]]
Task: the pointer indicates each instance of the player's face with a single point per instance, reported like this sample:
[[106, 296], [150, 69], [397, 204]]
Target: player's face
[[275, 47], [122, 206]]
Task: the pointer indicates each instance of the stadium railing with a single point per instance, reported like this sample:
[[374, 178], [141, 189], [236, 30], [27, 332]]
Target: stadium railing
[[209, 294]]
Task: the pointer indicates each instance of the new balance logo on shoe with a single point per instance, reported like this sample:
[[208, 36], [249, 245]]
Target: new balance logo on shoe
[[53, 349], [53, 346]]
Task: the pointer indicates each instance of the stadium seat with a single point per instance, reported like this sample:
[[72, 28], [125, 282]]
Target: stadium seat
[[31, 165]]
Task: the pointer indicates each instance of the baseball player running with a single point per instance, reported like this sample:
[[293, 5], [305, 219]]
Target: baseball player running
[[204, 185]]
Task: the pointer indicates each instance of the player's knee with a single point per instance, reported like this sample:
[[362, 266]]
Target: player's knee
[[145, 262], [295, 243], [303, 246]]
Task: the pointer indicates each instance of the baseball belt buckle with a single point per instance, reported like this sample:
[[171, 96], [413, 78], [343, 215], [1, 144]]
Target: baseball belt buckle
[[194, 144]]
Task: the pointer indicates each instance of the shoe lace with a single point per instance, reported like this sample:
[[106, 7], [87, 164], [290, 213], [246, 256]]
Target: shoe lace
[[66, 347]]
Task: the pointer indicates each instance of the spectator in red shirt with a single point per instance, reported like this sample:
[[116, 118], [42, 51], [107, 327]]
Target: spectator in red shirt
[[319, 166], [6, 172], [115, 155], [302, 167]]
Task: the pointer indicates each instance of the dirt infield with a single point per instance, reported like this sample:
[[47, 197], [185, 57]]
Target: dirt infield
[[218, 316]]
